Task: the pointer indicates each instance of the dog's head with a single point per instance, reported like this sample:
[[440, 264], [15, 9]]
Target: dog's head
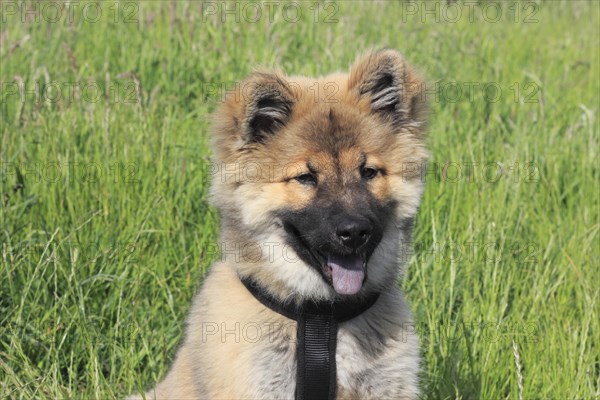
[[319, 179]]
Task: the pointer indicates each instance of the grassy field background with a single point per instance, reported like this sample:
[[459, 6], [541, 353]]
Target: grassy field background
[[106, 232]]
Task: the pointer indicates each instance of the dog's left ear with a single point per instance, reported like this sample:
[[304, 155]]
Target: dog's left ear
[[390, 86]]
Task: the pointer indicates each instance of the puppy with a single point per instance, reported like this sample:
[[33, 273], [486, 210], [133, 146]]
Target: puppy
[[317, 182]]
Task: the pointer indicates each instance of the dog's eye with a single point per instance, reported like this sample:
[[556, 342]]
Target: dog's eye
[[368, 172], [307, 179]]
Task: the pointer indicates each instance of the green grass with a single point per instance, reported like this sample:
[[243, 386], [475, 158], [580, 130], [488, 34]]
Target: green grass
[[100, 260]]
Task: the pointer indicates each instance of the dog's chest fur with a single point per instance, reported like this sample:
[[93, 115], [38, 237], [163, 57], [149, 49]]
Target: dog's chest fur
[[377, 355]]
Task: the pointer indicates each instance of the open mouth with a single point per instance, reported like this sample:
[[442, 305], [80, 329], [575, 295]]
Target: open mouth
[[346, 273]]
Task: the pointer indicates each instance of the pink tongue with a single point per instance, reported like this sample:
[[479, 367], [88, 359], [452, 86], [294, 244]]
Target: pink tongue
[[347, 273]]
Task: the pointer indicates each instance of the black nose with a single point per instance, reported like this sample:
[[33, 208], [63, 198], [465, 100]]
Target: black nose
[[354, 232]]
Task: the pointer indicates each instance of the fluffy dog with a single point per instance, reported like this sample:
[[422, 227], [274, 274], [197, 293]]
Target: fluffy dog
[[318, 182]]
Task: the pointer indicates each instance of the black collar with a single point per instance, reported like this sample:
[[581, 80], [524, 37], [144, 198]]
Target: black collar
[[340, 311], [316, 337]]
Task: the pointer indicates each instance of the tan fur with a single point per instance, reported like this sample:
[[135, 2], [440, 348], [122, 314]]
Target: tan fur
[[377, 352]]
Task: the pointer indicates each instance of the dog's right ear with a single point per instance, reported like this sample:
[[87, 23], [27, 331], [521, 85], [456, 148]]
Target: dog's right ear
[[268, 103]]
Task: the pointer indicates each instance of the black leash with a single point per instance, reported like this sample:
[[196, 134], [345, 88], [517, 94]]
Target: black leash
[[316, 338]]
